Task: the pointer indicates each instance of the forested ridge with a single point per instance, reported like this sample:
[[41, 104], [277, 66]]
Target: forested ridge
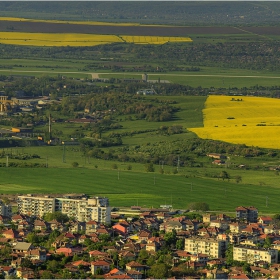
[[168, 57]]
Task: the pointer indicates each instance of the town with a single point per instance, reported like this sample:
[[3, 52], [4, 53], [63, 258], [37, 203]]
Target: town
[[77, 236]]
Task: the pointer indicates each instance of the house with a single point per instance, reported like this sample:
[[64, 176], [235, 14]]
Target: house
[[100, 264], [201, 258], [91, 226], [23, 225], [121, 229], [171, 225], [69, 251], [40, 225], [18, 218], [135, 266], [7, 271], [130, 256], [265, 220], [22, 247], [36, 254], [216, 274], [134, 274], [98, 254], [76, 226], [10, 234], [144, 235], [216, 156]]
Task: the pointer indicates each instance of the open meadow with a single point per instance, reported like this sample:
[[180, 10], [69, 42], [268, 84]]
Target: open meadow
[[126, 188]]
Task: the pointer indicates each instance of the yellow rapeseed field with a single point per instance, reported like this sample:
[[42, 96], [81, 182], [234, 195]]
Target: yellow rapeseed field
[[78, 39], [56, 39], [67, 22], [254, 121], [154, 39]]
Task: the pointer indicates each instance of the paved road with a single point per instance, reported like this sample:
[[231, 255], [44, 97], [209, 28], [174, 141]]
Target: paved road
[[96, 75]]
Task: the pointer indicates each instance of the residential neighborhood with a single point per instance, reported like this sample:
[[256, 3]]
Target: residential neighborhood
[[51, 242]]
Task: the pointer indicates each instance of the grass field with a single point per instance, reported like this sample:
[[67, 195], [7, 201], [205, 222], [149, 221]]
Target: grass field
[[128, 188], [208, 76], [254, 121]]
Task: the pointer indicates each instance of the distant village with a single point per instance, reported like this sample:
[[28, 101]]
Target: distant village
[[77, 236]]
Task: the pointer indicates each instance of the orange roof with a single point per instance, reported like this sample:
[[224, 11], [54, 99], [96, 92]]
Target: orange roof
[[81, 262], [103, 263]]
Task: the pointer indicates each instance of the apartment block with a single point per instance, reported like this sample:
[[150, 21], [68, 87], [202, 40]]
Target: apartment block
[[251, 254], [35, 206], [5, 209], [249, 214], [81, 209], [212, 247]]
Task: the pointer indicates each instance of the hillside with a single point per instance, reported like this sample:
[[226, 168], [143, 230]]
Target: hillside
[[175, 12]]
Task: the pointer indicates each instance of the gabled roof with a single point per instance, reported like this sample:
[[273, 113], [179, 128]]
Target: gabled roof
[[100, 263], [23, 246], [80, 262], [135, 264]]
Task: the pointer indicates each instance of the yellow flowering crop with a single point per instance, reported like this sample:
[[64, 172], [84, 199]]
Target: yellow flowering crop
[[77, 39], [56, 39], [68, 22], [154, 39], [254, 121]]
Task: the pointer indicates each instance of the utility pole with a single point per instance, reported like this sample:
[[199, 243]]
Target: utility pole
[[178, 163], [7, 162], [63, 155]]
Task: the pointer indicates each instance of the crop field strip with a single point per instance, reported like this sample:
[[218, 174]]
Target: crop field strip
[[140, 30], [76, 39], [253, 121]]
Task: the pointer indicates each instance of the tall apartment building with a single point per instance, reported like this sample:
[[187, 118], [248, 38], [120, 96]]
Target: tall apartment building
[[5, 209], [81, 209], [35, 206], [215, 248], [251, 254], [250, 214]]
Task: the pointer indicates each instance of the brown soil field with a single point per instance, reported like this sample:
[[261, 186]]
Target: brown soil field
[[273, 30], [46, 27]]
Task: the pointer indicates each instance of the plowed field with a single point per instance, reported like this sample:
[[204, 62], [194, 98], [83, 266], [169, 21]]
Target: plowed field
[[49, 27]]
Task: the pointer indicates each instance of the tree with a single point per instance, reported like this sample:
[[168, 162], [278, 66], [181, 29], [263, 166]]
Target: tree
[[53, 266], [149, 167], [224, 175], [46, 275], [198, 206], [75, 164], [57, 215], [267, 242], [159, 271], [229, 254], [170, 238], [180, 244], [143, 256], [238, 179]]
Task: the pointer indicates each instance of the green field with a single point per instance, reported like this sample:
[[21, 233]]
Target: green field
[[208, 76], [126, 188]]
